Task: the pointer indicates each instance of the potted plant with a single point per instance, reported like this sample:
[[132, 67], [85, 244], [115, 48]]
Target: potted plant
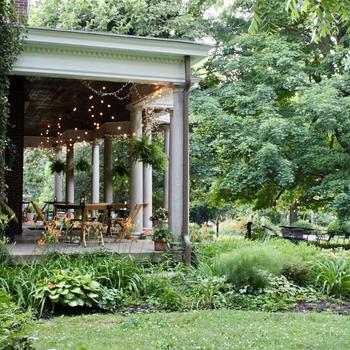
[[162, 237], [57, 166], [83, 165], [159, 217], [151, 153]]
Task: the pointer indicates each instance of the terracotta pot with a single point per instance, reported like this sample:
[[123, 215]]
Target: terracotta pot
[[160, 245]]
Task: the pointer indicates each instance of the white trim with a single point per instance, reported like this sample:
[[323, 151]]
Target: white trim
[[104, 56]]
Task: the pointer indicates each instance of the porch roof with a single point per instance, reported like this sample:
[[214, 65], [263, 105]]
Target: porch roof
[[106, 56]]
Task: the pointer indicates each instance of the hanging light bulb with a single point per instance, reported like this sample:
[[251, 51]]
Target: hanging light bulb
[[74, 109], [101, 113], [119, 127], [109, 106], [91, 97], [112, 117], [103, 88], [76, 129], [86, 132], [102, 101]]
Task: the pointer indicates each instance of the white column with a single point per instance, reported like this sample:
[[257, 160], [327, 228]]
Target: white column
[[108, 169], [166, 132], [136, 169], [147, 185], [176, 168], [58, 176], [70, 173], [95, 192]]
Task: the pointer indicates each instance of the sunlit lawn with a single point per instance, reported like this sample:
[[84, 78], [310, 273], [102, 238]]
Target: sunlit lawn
[[194, 330]]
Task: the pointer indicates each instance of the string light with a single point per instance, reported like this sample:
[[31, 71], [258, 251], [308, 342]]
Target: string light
[[74, 109]]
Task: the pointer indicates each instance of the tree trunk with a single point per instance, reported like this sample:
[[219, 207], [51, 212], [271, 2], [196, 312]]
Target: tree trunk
[[293, 214]]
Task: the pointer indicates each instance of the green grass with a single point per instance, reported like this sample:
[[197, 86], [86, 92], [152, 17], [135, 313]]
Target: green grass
[[225, 329]]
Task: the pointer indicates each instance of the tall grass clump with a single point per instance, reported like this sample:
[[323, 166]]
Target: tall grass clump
[[332, 275], [250, 266]]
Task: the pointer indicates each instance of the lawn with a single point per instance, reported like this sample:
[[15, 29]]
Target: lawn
[[224, 329]]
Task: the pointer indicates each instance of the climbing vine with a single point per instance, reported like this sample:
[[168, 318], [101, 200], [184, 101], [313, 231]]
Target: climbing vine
[[10, 46]]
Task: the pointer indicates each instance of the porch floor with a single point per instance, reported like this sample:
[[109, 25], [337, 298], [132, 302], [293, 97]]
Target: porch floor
[[26, 247]]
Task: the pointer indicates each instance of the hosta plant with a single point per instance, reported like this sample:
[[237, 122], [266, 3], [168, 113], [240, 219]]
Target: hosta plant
[[69, 288]]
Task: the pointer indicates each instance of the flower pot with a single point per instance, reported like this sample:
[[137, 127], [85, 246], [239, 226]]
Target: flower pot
[[160, 245]]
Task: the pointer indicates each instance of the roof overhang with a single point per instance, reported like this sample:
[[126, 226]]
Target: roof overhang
[[105, 56]]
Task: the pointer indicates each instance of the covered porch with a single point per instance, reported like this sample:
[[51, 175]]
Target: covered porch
[[71, 88]]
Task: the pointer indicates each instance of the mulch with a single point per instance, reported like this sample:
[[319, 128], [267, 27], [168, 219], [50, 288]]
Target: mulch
[[321, 306]]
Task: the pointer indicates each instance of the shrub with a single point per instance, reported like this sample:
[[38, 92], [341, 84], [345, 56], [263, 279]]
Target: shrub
[[110, 299], [303, 223], [335, 226], [69, 288], [250, 266], [296, 271], [162, 293], [332, 275], [12, 319]]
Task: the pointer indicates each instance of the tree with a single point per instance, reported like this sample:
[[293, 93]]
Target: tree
[[281, 135], [158, 18], [326, 17]]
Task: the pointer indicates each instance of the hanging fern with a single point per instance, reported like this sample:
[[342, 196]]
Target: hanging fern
[[83, 165], [57, 166], [143, 150]]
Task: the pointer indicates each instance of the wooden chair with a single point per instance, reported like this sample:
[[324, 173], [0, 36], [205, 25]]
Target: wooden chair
[[93, 223], [48, 226], [128, 223]]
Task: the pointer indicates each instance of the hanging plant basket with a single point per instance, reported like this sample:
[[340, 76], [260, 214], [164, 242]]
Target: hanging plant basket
[[57, 166], [83, 165], [143, 150]]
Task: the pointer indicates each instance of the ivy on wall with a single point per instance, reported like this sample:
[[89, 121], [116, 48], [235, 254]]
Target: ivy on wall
[[10, 46]]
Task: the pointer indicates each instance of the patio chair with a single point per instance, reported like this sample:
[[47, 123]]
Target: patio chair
[[127, 224], [48, 226], [95, 222]]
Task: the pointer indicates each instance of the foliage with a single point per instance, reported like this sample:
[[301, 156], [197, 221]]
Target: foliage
[[83, 165], [332, 275], [68, 287], [335, 226], [160, 292], [162, 233], [250, 267], [12, 320], [110, 299], [9, 50], [159, 215], [57, 166], [148, 152], [158, 18], [303, 224]]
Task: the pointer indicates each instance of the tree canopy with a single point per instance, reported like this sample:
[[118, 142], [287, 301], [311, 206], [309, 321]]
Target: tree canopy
[[158, 18]]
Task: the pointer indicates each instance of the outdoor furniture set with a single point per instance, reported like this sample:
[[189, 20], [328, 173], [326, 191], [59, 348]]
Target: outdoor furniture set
[[80, 219]]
